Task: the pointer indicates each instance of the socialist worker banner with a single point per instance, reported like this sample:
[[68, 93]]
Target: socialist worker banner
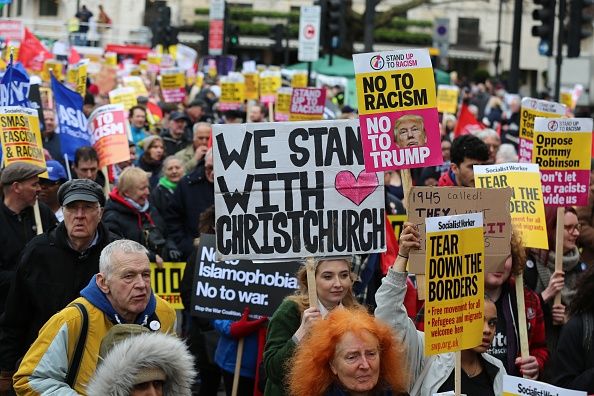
[[397, 110]]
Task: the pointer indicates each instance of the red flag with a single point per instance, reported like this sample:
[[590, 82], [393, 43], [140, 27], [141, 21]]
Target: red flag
[[467, 122], [388, 258], [32, 52], [74, 56]]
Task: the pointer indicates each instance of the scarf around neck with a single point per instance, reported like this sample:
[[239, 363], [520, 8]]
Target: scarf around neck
[[168, 184], [570, 261]]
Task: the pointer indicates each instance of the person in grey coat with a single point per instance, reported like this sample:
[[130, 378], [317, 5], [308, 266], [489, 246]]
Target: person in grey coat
[[482, 374]]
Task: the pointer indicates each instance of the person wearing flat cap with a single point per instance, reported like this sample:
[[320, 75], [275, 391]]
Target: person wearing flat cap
[[53, 269], [20, 186]]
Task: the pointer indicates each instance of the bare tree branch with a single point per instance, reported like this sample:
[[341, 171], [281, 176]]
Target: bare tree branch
[[386, 17]]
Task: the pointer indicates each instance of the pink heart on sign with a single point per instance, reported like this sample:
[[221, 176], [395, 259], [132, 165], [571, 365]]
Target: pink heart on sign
[[356, 188]]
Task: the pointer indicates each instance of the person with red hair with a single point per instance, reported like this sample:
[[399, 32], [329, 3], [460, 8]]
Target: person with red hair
[[349, 353]]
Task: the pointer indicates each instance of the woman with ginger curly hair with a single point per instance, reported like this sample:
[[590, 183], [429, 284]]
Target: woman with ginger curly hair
[[294, 318], [352, 353]]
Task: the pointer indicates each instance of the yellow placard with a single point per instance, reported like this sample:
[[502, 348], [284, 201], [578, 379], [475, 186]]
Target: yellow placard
[[111, 59], [136, 83], [566, 145], [76, 77], [299, 80], [251, 86], [172, 80], [172, 51], [56, 67], [447, 98], [232, 94], [394, 90], [166, 282], [454, 283], [566, 97], [283, 104], [532, 108], [20, 136], [396, 221], [199, 79], [126, 96], [526, 205]]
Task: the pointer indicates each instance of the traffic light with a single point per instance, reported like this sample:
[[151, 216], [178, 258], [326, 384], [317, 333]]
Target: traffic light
[[546, 31], [335, 23], [579, 27], [277, 34], [233, 36]]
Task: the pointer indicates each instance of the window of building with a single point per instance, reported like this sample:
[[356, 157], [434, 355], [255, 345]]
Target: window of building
[[48, 7], [468, 32]]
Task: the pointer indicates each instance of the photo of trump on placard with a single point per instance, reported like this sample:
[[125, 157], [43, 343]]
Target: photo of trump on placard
[[409, 131]]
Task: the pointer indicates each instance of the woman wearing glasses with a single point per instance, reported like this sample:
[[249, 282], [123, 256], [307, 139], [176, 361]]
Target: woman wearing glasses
[[540, 275]]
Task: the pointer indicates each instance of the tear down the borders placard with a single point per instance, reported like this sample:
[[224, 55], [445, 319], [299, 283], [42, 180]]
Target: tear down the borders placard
[[295, 189]]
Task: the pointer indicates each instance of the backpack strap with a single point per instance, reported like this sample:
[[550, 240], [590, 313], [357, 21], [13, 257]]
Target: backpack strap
[[80, 345]]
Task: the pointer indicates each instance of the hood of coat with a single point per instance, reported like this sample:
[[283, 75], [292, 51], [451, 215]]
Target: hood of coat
[[115, 375]]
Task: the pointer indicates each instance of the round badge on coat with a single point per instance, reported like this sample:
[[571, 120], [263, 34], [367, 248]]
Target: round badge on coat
[[155, 325], [529, 263]]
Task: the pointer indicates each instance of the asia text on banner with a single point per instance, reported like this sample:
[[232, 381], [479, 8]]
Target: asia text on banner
[[295, 189], [530, 109], [562, 148], [397, 109], [437, 201], [454, 283], [526, 206], [222, 289]]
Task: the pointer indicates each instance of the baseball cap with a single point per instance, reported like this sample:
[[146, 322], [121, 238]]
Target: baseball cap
[[80, 190], [178, 115], [55, 171], [19, 171]]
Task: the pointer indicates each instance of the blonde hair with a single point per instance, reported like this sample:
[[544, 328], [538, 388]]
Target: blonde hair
[[129, 178], [301, 297]]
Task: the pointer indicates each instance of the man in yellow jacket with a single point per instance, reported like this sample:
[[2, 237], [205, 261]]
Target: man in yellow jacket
[[119, 293]]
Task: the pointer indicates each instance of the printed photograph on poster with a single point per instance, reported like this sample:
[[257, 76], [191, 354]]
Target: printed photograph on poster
[[398, 109], [222, 289], [295, 190]]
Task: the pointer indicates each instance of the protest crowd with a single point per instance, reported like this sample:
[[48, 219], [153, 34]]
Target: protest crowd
[[119, 177]]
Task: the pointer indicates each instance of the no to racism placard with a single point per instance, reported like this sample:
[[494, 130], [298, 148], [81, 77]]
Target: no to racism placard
[[307, 104], [517, 386], [526, 205], [222, 289], [109, 134], [397, 109], [438, 201], [173, 85], [166, 282], [270, 82], [20, 136], [454, 282], [294, 190], [530, 109], [447, 98], [562, 148], [283, 104]]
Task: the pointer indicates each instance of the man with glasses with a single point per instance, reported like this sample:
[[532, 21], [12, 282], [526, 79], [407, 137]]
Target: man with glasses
[[53, 269]]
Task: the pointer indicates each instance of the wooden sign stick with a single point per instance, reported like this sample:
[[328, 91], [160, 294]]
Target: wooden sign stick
[[37, 215], [524, 349], [237, 372], [407, 186], [458, 374], [312, 293], [106, 188], [270, 111], [559, 246]]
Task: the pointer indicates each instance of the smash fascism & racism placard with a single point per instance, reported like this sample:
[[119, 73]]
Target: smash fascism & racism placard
[[562, 149], [20, 136], [397, 109], [295, 189], [438, 201], [530, 109], [222, 289], [526, 205], [454, 281]]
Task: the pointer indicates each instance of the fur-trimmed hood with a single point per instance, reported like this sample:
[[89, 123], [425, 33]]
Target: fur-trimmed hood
[[115, 374]]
